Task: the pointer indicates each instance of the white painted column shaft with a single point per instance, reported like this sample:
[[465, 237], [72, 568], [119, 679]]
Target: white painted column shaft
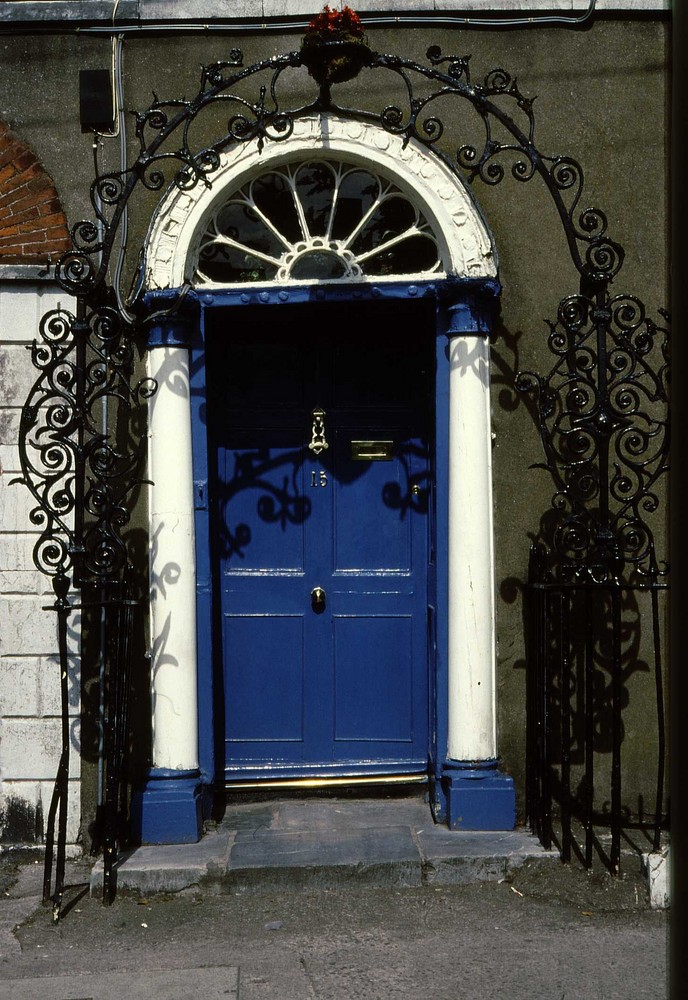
[[172, 563], [472, 727]]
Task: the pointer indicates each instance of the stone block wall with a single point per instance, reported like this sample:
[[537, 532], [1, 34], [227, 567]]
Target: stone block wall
[[29, 668]]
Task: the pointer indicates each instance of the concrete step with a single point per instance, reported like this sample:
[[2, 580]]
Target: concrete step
[[316, 843]]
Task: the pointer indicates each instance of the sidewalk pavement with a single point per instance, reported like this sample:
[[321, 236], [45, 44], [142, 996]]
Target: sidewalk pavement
[[387, 904]]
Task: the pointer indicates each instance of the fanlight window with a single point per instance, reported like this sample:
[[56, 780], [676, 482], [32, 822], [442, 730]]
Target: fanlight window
[[316, 221]]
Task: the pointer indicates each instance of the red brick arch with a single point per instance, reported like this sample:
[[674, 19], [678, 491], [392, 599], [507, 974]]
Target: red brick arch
[[33, 226]]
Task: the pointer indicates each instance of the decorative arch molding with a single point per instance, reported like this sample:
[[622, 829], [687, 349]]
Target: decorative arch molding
[[465, 245], [33, 226]]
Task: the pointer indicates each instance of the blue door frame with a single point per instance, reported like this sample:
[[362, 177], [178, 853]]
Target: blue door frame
[[460, 306]]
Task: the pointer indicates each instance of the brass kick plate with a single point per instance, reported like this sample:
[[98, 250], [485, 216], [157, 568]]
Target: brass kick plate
[[327, 781], [372, 451]]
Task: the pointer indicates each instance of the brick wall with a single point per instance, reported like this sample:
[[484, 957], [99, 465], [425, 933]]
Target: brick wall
[[33, 227]]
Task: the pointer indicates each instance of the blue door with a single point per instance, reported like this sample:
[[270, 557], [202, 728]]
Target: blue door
[[319, 424]]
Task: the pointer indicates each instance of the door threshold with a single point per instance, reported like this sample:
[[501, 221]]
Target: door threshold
[[327, 782]]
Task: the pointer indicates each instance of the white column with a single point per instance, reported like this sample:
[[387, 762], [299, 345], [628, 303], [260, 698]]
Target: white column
[[472, 726], [172, 563]]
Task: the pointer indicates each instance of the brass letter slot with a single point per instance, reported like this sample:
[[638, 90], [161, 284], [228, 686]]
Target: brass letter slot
[[371, 451]]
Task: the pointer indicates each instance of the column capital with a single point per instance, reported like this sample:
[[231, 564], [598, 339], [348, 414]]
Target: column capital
[[172, 317], [468, 307]]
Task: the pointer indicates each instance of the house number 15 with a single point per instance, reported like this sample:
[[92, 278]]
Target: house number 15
[[318, 478]]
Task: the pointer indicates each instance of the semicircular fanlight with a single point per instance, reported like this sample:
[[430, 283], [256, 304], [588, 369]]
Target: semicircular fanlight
[[318, 220]]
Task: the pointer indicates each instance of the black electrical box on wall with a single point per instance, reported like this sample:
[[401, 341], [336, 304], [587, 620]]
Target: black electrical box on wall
[[96, 106]]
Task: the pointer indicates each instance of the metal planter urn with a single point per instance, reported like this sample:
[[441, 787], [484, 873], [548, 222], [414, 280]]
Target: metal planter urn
[[334, 47]]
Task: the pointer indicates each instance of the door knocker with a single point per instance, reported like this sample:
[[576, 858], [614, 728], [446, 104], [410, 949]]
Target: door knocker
[[318, 442]]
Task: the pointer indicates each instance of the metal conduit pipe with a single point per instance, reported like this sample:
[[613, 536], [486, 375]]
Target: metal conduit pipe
[[299, 24]]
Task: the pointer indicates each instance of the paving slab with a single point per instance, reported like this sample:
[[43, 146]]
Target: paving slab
[[14, 913], [218, 983], [462, 857], [19, 902], [323, 858], [438, 841], [314, 814]]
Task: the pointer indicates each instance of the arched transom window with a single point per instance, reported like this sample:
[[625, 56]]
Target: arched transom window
[[318, 220]]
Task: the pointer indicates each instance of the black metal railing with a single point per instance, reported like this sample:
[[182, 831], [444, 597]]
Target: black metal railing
[[596, 592], [118, 637], [114, 613], [81, 449], [588, 643]]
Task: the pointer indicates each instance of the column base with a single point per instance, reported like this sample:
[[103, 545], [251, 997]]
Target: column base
[[168, 809], [478, 797]]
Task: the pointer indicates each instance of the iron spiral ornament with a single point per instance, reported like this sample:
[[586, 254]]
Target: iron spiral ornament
[[79, 476], [603, 414]]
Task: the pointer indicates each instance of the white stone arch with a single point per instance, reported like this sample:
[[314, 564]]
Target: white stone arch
[[467, 251], [465, 244]]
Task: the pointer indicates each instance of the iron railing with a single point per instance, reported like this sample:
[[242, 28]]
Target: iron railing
[[80, 448], [583, 644], [596, 591]]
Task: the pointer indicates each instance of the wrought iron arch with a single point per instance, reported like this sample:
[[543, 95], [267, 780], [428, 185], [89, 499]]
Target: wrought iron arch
[[83, 270], [82, 474]]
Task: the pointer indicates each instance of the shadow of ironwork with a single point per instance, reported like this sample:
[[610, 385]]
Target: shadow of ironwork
[[285, 505]]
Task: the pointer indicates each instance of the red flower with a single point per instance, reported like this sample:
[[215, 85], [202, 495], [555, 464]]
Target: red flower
[[330, 24]]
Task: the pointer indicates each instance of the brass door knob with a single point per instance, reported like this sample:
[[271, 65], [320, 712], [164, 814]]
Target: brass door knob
[[318, 600]]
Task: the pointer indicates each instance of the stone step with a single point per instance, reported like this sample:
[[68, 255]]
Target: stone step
[[324, 844]]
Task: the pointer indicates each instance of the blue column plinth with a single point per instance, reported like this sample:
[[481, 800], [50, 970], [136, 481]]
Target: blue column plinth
[[477, 796], [168, 809]]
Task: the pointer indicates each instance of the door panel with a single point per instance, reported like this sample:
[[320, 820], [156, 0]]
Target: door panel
[[260, 675], [364, 710], [263, 488], [368, 532], [340, 687]]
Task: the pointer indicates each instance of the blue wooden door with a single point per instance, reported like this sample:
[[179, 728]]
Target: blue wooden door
[[320, 431]]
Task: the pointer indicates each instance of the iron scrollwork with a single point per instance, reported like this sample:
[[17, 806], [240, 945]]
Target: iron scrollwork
[[80, 447], [167, 155], [604, 426], [79, 475], [603, 413]]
